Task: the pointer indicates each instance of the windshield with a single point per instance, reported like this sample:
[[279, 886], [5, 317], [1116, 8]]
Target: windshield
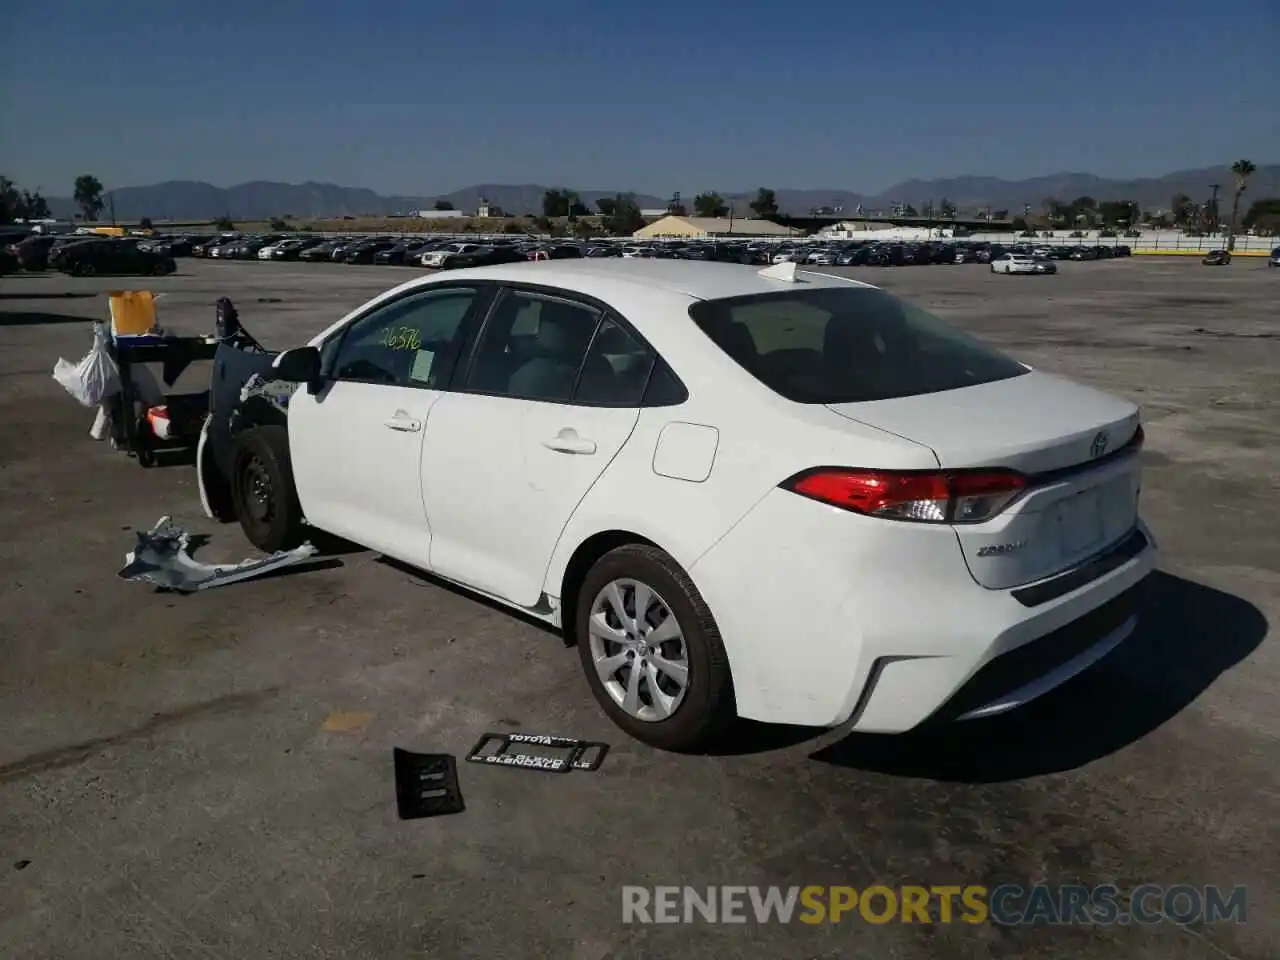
[[847, 345]]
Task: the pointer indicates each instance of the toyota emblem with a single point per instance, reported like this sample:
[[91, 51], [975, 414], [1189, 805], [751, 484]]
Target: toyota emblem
[[1099, 445]]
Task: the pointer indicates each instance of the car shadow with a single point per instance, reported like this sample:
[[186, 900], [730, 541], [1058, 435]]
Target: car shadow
[[1189, 634], [33, 318]]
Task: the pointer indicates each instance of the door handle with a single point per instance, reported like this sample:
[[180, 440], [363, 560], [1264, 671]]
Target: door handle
[[568, 441], [403, 424]]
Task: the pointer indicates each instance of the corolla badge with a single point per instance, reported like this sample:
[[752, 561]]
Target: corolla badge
[[1099, 445], [1000, 549]]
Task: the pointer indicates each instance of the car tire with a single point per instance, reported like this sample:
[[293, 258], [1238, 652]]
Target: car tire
[[706, 705], [83, 270], [262, 489]]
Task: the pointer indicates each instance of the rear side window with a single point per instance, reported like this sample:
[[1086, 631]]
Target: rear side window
[[847, 345]]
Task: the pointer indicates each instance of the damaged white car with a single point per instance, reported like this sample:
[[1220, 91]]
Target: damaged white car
[[762, 493]]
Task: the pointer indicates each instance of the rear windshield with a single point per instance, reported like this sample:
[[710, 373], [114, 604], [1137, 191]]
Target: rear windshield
[[847, 345]]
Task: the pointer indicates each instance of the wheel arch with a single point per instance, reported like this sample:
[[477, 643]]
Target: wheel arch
[[582, 560], [257, 411]]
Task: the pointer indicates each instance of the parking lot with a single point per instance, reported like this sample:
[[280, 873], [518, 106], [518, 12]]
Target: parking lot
[[210, 776]]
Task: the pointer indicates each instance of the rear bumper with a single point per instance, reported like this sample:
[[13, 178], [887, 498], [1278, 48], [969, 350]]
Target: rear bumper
[[836, 620]]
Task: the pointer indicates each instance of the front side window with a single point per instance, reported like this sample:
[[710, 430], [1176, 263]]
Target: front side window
[[411, 342], [533, 347], [847, 345]]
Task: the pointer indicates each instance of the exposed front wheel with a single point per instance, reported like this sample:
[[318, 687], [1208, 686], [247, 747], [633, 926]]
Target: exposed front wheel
[[262, 490], [652, 652]]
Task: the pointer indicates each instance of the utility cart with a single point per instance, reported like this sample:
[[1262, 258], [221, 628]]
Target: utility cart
[[139, 426]]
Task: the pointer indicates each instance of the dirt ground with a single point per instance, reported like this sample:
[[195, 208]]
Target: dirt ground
[[210, 776]]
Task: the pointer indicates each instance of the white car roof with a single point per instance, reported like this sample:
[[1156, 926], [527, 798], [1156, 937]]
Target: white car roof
[[654, 294], [607, 278]]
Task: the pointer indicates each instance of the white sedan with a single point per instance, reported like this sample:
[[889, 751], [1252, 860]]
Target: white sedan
[[1019, 263], [767, 493]]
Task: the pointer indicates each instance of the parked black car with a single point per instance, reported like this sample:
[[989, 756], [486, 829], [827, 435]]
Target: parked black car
[[1216, 258], [113, 256], [482, 257], [365, 252], [33, 251], [398, 254], [294, 247], [320, 252], [202, 248]]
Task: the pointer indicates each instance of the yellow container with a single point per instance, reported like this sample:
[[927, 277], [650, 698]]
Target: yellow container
[[133, 313]]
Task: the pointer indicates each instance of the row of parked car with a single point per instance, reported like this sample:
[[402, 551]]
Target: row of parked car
[[82, 254], [155, 254]]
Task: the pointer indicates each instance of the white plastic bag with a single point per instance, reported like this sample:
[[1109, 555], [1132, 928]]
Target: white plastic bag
[[95, 377]]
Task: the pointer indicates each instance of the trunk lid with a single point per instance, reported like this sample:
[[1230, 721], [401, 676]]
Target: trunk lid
[[1082, 496]]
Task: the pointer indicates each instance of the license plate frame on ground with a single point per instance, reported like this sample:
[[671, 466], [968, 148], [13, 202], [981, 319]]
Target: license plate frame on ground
[[517, 750]]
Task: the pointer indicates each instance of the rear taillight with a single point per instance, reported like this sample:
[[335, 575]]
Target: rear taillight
[[959, 496]]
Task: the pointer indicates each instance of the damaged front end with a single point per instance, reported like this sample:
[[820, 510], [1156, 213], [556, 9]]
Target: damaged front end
[[242, 395]]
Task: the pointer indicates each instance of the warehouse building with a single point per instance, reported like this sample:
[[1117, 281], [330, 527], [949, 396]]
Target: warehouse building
[[713, 227]]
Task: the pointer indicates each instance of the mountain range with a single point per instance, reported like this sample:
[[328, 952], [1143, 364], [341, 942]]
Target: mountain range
[[195, 200]]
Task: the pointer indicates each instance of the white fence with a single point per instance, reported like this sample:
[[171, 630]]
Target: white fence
[[1151, 241]]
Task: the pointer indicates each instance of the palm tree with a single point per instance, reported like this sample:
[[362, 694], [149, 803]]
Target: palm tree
[[1242, 170]]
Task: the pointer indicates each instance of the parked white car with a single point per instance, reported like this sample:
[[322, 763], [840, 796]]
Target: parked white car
[[1020, 263], [767, 493], [435, 258]]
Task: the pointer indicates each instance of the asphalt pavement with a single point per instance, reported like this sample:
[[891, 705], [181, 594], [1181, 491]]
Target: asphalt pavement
[[210, 776]]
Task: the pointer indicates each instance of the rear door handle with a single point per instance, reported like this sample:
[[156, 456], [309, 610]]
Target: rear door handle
[[568, 441], [404, 424]]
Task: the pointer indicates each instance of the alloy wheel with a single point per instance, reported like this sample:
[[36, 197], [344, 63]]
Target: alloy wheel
[[638, 649]]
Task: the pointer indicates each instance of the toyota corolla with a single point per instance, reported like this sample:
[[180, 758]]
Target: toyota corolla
[[767, 493]]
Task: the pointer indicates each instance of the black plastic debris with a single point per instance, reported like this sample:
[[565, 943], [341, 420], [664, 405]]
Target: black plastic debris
[[426, 785], [21, 864], [538, 752]]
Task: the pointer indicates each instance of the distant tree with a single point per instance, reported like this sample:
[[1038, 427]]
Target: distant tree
[[605, 206], [1263, 215], [1182, 211], [34, 206], [909, 211], [1055, 211], [88, 196], [1241, 170], [223, 223], [1117, 213], [1019, 224], [626, 218], [512, 226], [561, 202], [443, 205], [947, 209], [1160, 221], [765, 204], [145, 223], [710, 204], [10, 201], [277, 224], [542, 224], [584, 229]]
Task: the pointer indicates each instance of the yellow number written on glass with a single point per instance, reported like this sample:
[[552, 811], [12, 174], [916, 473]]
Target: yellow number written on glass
[[401, 338]]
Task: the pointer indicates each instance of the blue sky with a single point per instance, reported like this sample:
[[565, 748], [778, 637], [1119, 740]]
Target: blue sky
[[424, 97]]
